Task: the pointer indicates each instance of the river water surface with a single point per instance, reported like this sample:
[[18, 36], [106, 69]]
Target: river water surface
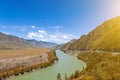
[[66, 65]]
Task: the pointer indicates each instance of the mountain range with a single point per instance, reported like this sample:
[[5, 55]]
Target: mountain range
[[42, 44], [105, 37], [14, 42]]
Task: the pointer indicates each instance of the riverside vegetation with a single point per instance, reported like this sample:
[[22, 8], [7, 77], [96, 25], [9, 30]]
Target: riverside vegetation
[[97, 49], [100, 66], [15, 71]]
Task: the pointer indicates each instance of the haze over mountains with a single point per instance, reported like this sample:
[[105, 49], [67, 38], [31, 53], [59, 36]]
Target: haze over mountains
[[42, 44], [13, 42], [105, 37]]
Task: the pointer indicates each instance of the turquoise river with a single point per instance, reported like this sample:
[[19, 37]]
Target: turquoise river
[[66, 65]]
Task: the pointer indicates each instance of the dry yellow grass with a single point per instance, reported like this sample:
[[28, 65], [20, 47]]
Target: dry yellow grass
[[5, 54]]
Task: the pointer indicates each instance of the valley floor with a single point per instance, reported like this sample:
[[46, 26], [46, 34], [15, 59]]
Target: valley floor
[[6, 54], [15, 62]]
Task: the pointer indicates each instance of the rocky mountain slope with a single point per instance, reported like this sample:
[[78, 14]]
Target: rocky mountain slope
[[42, 44], [13, 42], [105, 37]]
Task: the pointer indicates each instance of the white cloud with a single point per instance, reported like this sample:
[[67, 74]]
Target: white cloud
[[61, 37], [42, 32], [57, 37], [50, 36], [40, 35], [33, 27], [65, 36], [35, 35], [31, 34], [53, 36]]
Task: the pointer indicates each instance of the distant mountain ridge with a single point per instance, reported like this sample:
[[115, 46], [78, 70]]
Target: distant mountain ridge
[[13, 42], [105, 37], [42, 44]]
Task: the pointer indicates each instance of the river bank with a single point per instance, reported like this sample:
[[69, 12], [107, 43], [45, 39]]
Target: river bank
[[66, 65], [20, 65], [100, 66]]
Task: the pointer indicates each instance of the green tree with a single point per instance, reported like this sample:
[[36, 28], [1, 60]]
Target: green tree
[[66, 77], [59, 77]]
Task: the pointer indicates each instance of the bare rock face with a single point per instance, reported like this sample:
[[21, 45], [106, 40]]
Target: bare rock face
[[22, 61]]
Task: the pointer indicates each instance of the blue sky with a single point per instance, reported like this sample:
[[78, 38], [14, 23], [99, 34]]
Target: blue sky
[[54, 20]]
